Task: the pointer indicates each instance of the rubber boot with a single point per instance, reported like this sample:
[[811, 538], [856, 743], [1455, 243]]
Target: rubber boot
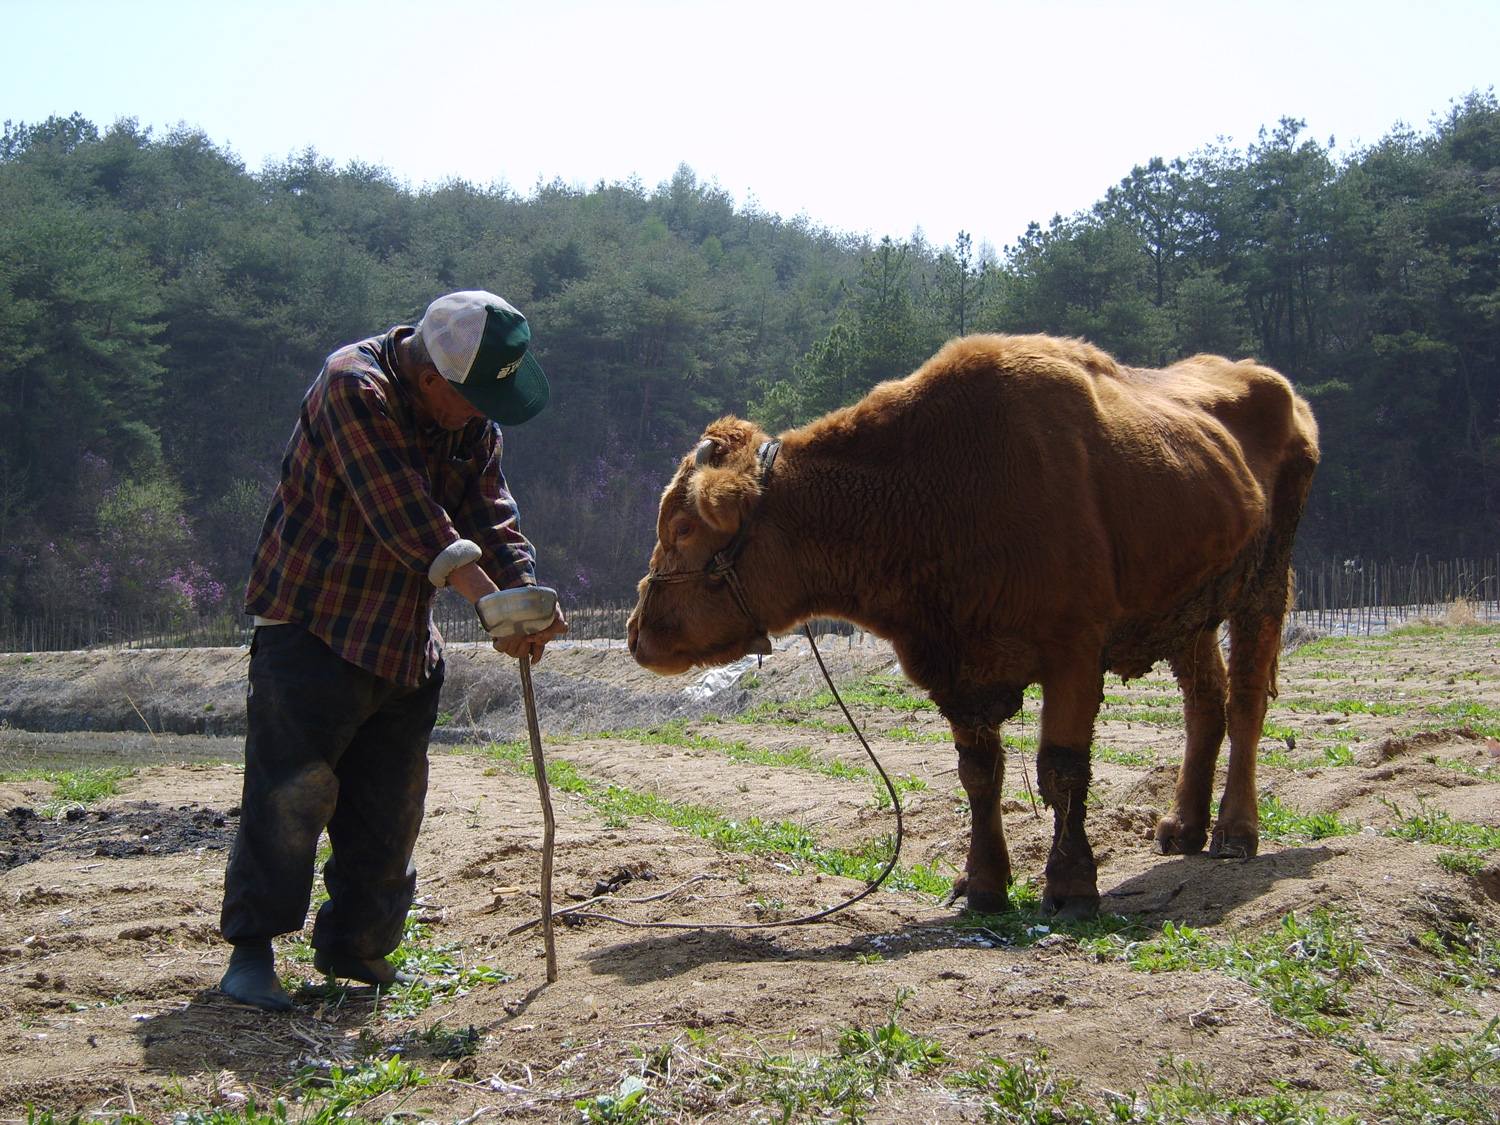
[[251, 978], [375, 970]]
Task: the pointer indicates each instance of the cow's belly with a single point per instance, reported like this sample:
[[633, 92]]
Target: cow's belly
[[1134, 643]]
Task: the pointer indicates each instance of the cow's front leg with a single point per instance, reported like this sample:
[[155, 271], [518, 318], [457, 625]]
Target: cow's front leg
[[1072, 888], [1070, 702], [981, 770]]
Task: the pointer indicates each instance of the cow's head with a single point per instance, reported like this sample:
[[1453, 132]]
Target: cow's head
[[687, 616]]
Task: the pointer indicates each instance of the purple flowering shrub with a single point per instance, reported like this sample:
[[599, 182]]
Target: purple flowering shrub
[[132, 553], [194, 589]]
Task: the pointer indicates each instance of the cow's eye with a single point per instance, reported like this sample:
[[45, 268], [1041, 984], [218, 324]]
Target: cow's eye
[[680, 528]]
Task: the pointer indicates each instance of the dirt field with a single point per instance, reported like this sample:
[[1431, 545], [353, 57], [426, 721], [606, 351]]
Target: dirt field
[[1349, 971]]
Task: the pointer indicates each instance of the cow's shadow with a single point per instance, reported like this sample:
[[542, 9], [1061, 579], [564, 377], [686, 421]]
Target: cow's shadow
[[681, 953], [1188, 890], [1201, 891]]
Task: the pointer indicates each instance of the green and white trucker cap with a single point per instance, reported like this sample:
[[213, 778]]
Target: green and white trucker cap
[[480, 344]]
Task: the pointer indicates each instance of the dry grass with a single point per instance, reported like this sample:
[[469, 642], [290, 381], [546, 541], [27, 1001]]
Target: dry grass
[[1460, 612]]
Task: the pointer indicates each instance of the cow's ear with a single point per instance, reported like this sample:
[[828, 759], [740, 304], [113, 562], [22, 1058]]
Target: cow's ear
[[724, 497]]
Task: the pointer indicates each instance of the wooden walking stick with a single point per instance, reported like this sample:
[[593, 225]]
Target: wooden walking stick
[[519, 612], [549, 825]]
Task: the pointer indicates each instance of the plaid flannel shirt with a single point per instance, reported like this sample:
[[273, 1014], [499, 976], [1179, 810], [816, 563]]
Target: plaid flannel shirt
[[369, 496]]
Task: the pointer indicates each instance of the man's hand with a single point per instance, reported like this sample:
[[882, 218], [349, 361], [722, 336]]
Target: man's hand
[[533, 645]]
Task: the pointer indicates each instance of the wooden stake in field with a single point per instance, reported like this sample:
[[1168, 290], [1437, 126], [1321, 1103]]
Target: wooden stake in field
[[549, 825]]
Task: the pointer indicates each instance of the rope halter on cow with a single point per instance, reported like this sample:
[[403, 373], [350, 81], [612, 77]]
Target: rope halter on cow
[[721, 566]]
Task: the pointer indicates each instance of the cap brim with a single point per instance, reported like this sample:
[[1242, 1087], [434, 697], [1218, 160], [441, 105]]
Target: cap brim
[[515, 399]]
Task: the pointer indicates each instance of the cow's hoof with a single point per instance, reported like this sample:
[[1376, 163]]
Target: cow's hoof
[[1071, 908], [988, 902], [960, 889], [1224, 846], [984, 902], [1173, 839]]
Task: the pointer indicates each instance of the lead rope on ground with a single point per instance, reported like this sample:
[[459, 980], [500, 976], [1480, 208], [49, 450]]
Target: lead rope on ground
[[577, 912]]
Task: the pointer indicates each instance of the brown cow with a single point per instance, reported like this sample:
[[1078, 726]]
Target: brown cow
[[1020, 510]]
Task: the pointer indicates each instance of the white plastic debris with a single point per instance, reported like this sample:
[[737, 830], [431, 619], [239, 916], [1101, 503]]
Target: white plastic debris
[[716, 680]]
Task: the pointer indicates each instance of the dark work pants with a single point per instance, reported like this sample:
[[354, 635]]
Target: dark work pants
[[327, 745]]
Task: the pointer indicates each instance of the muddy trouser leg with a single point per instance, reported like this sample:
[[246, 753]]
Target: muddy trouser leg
[[382, 787], [305, 707]]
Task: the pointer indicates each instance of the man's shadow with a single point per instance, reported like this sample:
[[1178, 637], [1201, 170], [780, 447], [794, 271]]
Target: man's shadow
[[215, 1032]]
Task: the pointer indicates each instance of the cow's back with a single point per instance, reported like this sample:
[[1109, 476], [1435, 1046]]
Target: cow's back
[[1040, 464]]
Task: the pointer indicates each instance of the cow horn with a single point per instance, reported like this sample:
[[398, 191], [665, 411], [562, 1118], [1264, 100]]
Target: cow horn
[[706, 449]]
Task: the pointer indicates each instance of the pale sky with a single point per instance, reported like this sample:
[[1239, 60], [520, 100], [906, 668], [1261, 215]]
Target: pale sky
[[867, 117]]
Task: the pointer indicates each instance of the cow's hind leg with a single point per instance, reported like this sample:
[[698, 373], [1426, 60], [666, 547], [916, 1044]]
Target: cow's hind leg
[[981, 770], [1070, 703], [1254, 648], [1200, 673]]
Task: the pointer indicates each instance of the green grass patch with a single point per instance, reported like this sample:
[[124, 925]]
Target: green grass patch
[[1024, 924], [1325, 647], [350, 1086], [909, 784], [1466, 958], [844, 1085], [1278, 732], [872, 691], [1162, 710], [910, 734], [625, 1105], [675, 733], [319, 1096], [1027, 1092], [1467, 709], [1138, 756], [782, 838], [1435, 826], [788, 758], [1277, 822], [560, 775], [1024, 1093], [1488, 773], [1443, 631], [1462, 863], [1304, 968], [1183, 1093], [1451, 1081], [439, 975], [1325, 754], [1366, 707], [1338, 754], [82, 788], [751, 834]]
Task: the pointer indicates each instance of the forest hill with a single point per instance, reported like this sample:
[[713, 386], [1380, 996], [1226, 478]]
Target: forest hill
[[162, 310]]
